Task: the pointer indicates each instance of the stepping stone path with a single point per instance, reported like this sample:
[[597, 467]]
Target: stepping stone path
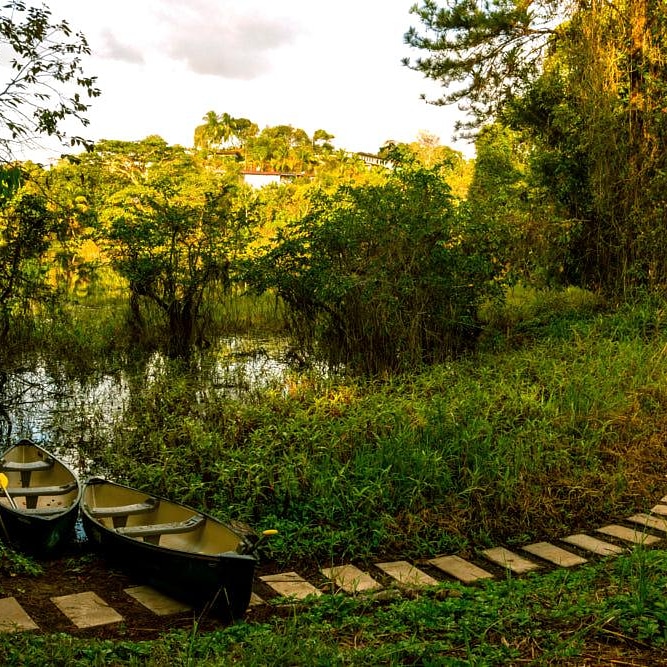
[[554, 554], [460, 569], [351, 579], [593, 545], [634, 535], [86, 609], [13, 618], [290, 585], [507, 559], [157, 602], [406, 574]]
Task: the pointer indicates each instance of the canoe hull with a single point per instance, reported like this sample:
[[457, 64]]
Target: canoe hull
[[222, 581], [47, 494], [39, 536]]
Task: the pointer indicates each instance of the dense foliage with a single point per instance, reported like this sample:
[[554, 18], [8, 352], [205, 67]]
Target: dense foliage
[[385, 276], [585, 84]]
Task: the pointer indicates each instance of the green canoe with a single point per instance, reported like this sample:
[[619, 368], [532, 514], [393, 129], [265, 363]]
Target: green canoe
[[186, 554], [40, 504]]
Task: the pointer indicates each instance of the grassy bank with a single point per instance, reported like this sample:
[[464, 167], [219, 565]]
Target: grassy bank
[[557, 425]]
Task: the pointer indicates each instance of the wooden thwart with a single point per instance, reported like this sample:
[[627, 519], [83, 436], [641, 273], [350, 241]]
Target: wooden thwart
[[152, 529], [125, 510], [41, 490], [32, 466]]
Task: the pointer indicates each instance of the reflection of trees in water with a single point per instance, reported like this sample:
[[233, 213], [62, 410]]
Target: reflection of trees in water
[[42, 402], [76, 413]]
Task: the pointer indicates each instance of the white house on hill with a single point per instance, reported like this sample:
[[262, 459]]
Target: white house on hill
[[258, 179]]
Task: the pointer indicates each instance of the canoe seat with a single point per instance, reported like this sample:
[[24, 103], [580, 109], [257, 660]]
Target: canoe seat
[[44, 511], [124, 510], [33, 466], [162, 528], [42, 490]]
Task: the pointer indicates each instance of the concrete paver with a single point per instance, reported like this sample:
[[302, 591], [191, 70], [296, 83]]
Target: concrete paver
[[554, 554], [159, 603], [87, 610], [13, 618], [407, 574], [351, 579], [511, 561], [634, 535], [655, 522], [593, 545], [290, 585], [460, 569]]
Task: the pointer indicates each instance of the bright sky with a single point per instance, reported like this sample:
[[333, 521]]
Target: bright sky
[[162, 64]]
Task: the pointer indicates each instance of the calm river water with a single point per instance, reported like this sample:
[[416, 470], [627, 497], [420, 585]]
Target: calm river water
[[43, 401]]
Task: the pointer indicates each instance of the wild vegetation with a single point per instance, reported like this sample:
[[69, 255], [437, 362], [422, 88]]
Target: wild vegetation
[[477, 346]]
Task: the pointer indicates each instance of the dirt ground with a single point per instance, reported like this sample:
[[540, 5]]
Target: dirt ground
[[80, 570]]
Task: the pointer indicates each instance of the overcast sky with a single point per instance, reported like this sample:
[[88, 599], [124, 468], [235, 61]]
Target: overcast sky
[[162, 64]]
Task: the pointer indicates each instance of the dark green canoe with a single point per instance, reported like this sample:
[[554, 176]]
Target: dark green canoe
[[40, 506], [188, 555]]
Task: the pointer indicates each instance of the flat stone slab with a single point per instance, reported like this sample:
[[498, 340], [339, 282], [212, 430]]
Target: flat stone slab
[[290, 585], [407, 574], [659, 509], [554, 554], [507, 559], [87, 610], [351, 579], [460, 569], [593, 545], [13, 618], [159, 603], [655, 522], [255, 600], [634, 535]]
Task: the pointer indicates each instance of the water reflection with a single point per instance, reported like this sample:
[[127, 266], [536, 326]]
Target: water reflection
[[44, 402]]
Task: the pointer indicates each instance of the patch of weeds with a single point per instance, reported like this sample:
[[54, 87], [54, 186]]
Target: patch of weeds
[[13, 563]]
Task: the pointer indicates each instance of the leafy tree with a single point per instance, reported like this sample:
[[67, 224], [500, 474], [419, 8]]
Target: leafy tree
[[173, 234], [383, 276], [586, 83], [25, 229], [484, 54], [46, 84]]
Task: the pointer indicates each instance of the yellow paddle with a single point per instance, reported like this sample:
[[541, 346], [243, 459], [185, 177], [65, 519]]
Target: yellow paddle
[[4, 482]]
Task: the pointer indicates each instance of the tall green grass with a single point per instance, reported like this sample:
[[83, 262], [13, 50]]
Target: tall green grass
[[531, 442]]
